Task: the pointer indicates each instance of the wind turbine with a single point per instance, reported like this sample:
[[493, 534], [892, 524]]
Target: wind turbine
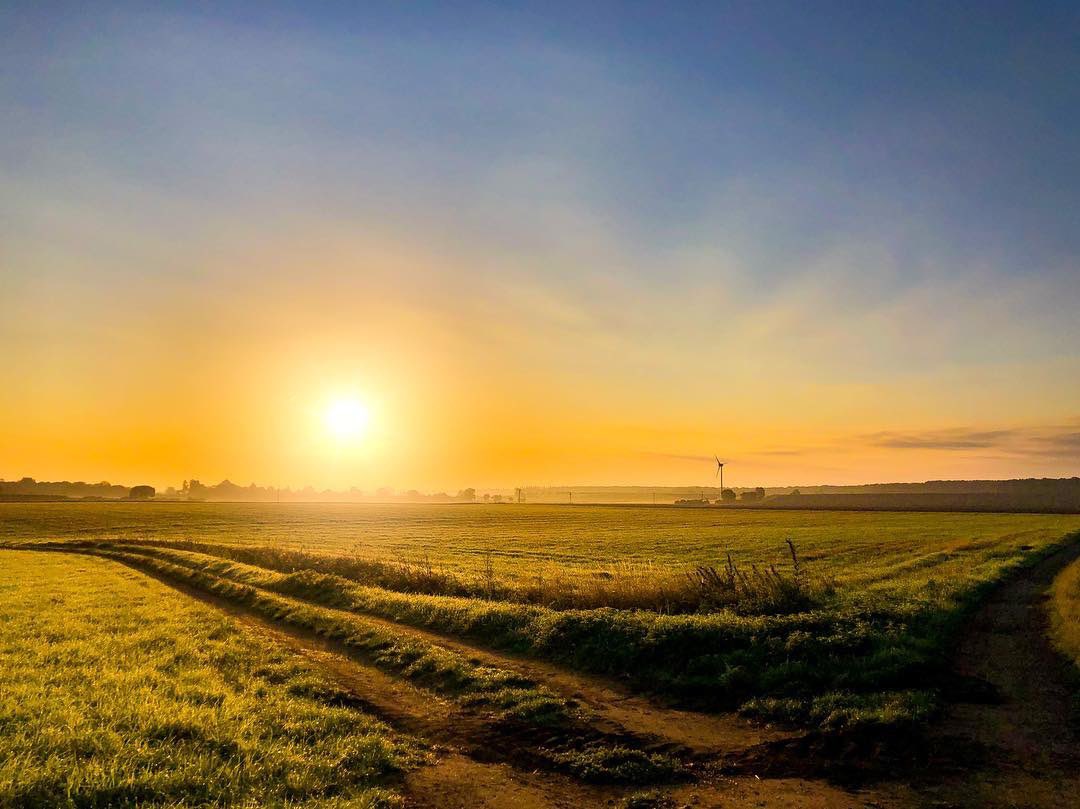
[[719, 472]]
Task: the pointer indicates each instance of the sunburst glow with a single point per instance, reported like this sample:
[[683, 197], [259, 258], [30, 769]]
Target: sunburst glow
[[348, 419]]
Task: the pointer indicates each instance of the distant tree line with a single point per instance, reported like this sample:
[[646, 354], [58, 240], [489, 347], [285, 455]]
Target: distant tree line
[[30, 489], [227, 491], [1035, 496]]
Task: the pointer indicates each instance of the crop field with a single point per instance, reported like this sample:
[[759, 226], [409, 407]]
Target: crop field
[[862, 549], [602, 650]]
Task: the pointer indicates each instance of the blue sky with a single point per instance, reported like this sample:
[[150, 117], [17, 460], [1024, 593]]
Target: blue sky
[[850, 195]]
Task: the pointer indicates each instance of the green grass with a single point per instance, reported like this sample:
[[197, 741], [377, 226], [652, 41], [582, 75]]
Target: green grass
[[444, 671], [863, 550], [866, 649], [118, 691], [507, 698], [871, 660]]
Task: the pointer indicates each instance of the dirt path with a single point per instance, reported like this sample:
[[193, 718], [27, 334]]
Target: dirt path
[[1031, 754], [468, 774], [1015, 751], [612, 707], [474, 766]]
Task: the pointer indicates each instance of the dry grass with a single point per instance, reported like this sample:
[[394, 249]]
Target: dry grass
[[750, 590], [1065, 612], [760, 591]]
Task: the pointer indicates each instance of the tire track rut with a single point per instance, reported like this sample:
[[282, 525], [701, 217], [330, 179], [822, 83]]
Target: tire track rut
[[478, 764], [613, 708], [471, 769]]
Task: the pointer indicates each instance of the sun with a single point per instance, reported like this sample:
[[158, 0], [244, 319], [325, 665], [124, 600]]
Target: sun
[[347, 419]]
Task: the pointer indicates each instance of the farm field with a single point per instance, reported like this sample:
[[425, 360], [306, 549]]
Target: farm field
[[859, 548], [646, 658]]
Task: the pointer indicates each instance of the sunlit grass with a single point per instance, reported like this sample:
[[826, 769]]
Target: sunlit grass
[[857, 634], [118, 691], [585, 556], [1065, 613], [866, 658]]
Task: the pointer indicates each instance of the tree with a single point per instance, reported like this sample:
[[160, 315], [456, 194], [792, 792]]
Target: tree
[[141, 493], [467, 495], [728, 495]]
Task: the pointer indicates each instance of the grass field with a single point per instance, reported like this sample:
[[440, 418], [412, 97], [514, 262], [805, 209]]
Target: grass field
[[859, 549], [853, 633], [118, 691]]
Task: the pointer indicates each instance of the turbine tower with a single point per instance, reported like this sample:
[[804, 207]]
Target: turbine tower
[[720, 473]]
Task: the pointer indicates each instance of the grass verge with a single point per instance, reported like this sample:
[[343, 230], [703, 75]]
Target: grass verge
[[1065, 628], [1065, 613]]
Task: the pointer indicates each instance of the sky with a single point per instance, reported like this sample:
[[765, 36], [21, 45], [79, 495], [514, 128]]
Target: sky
[[539, 243]]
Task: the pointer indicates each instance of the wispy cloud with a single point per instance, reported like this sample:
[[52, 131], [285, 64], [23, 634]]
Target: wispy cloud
[[1053, 441], [958, 439], [1063, 444]]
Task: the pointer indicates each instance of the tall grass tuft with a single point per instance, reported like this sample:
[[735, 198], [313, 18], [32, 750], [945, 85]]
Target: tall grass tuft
[[759, 591]]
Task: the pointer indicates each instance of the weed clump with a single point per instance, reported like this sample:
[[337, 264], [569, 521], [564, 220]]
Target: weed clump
[[648, 800], [761, 590], [618, 765]]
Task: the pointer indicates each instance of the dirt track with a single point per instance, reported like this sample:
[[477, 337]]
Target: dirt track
[[1021, 726], [468, 771], [478, 764], [1018, 750]]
